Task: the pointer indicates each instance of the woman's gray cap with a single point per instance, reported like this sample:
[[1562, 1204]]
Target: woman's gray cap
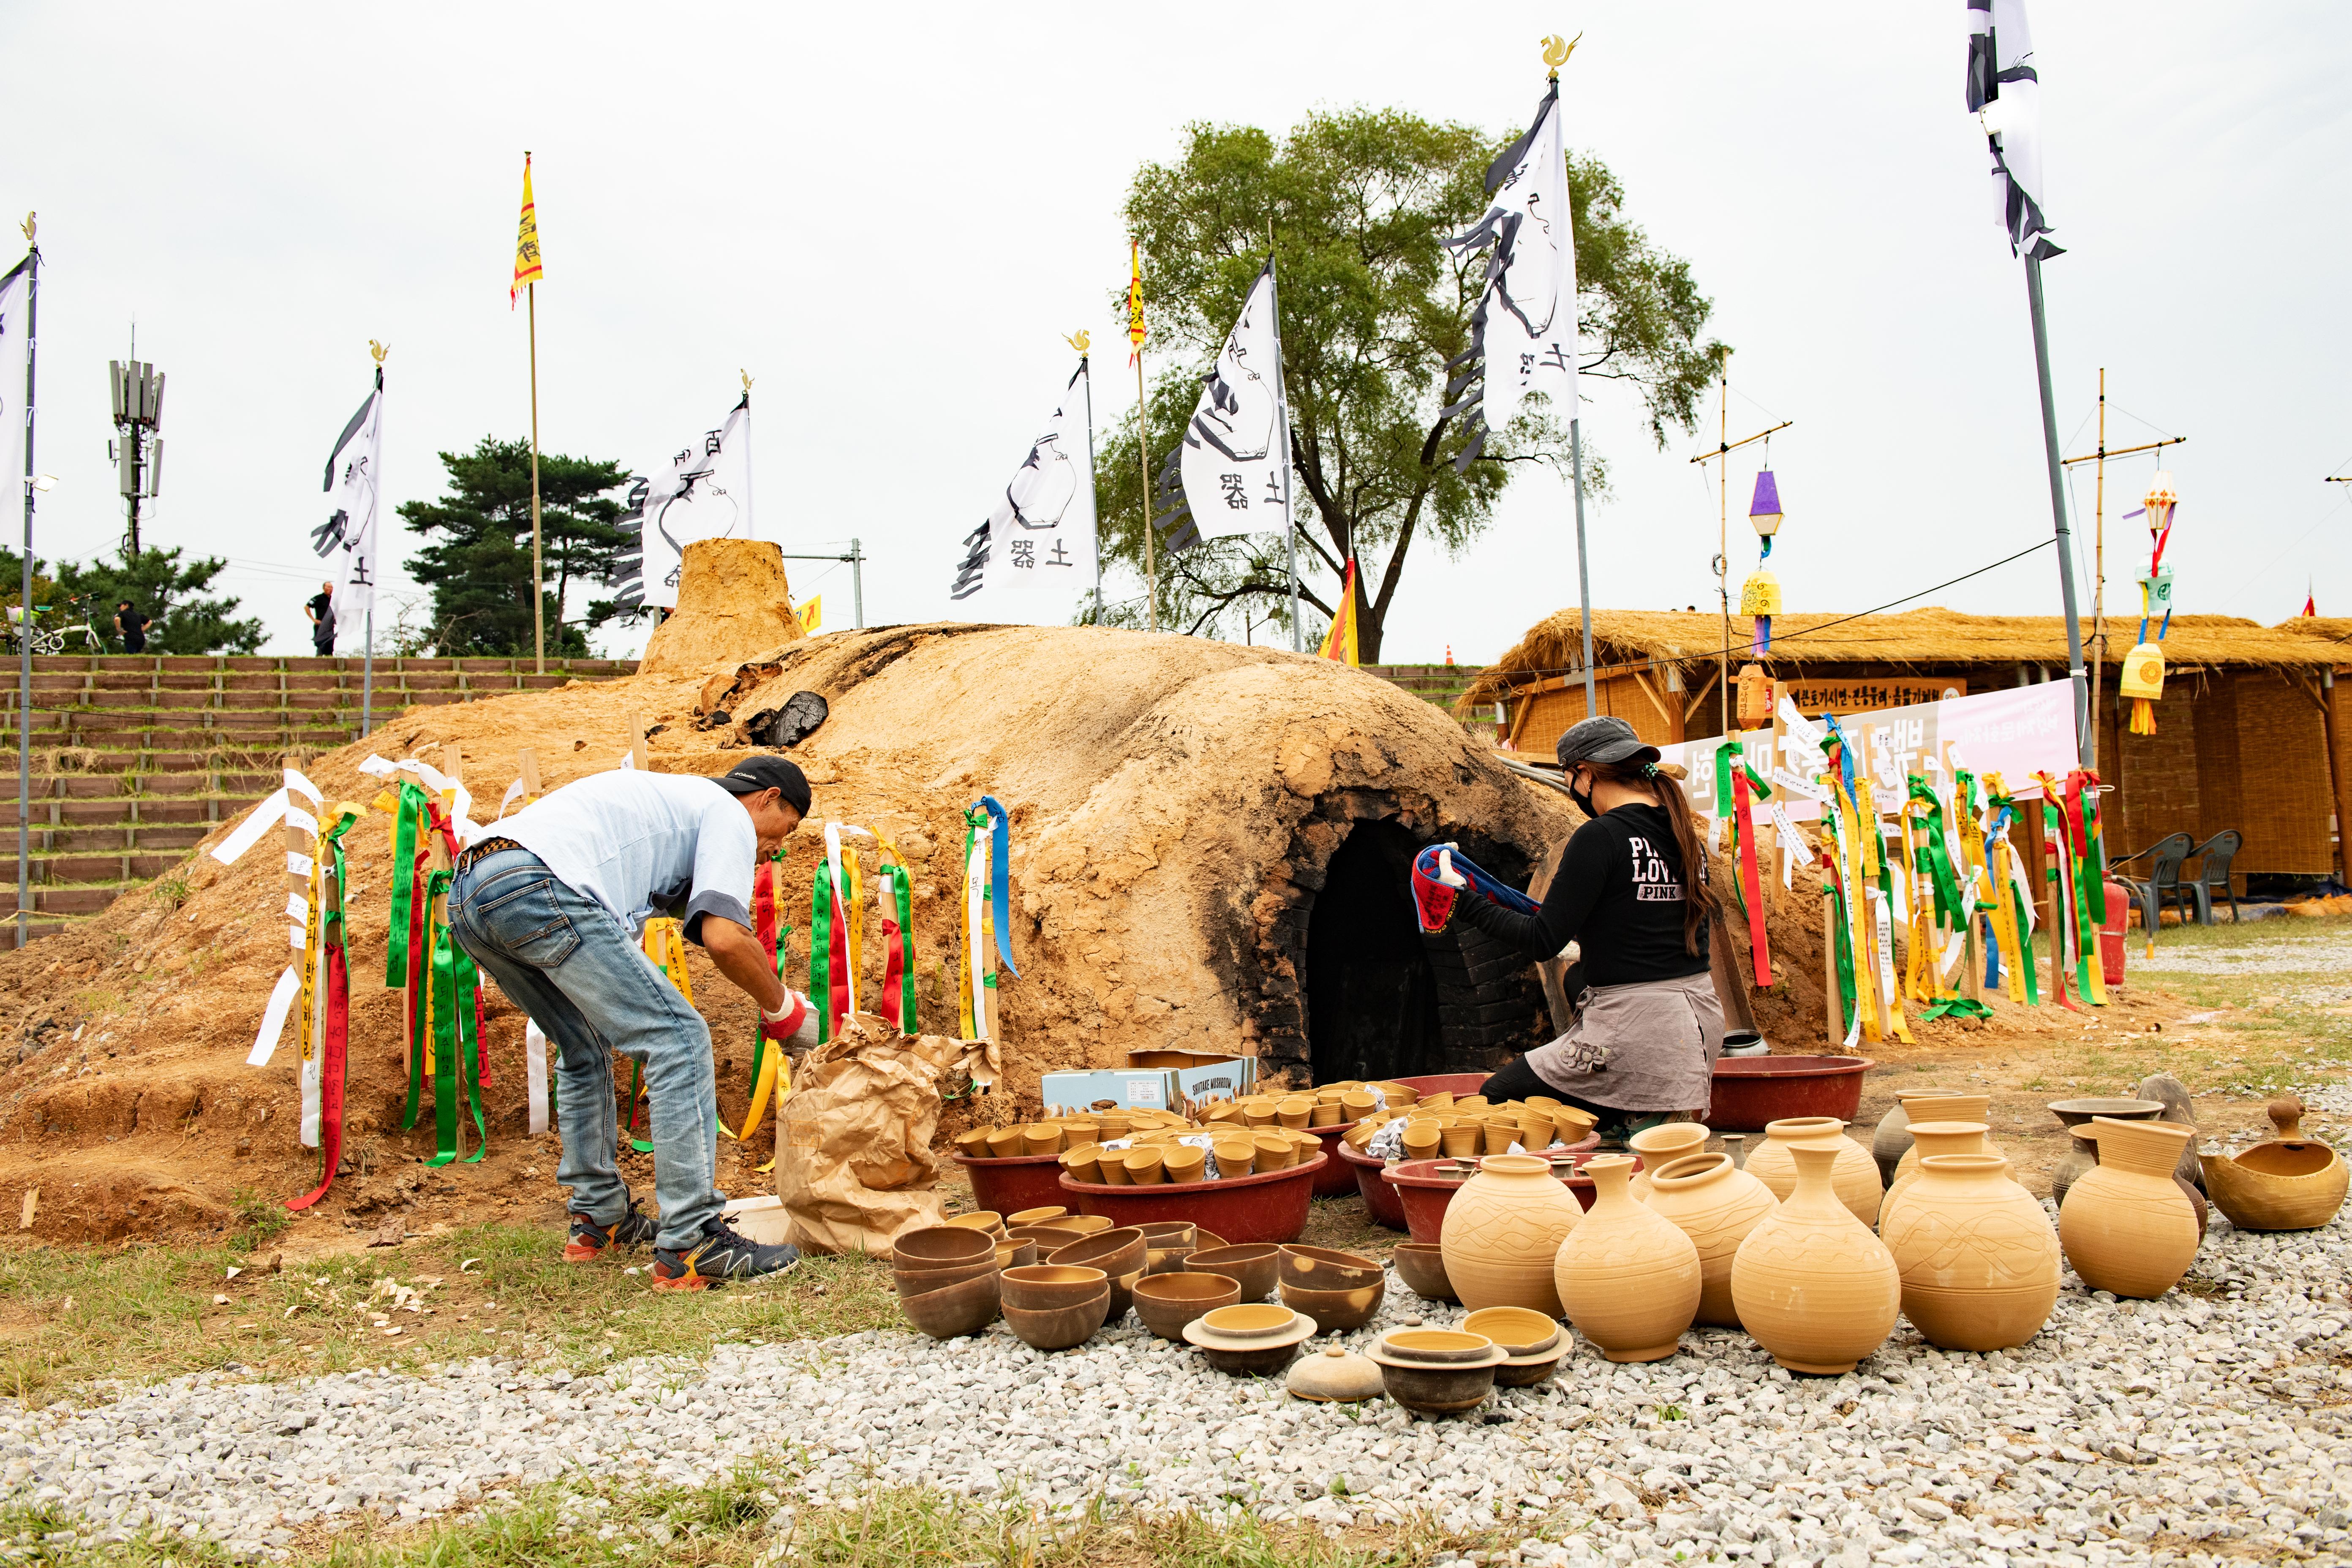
[[1607, 738]]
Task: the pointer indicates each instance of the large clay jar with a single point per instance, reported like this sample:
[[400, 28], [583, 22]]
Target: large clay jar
[[1892, 1140], [1811, 1283], [1929, 1139], [1663, 1145], [1503, 1229], [2126, 1225], [1628, 1278], [1977, 1255], [1854, 1177], [2286, 1183], [2081, 1153], [1715, 1204], [1943, 1108]]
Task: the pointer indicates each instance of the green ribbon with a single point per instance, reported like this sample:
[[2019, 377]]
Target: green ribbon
[[821, 954], [2004, 808], [448, 1073], [407, 820], [1933, 859], [1833, 842]]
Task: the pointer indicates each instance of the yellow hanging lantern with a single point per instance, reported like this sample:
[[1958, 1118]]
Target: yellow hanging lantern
[[2143, 682], [1755, 697], [1760, 594]]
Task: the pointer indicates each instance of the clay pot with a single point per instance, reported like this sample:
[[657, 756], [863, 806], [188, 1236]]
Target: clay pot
[[1184, 1163], [973, 1145], [1471, 1102], [1275, 1153], [1254, 1266], [1715, 1204], [1357, 1104], [1663, 1145], [2081, 1153], [1084, 1162], [1422, 1139], [1929, 1139], [1006, 1143], [2289, 1183], [1047, 1286], [1628, 1277], [1811, 1283], [938, 1245], [1059, 1328], [1111, 1128], [1119, 1254], [1167, 1302], [953, 1310], [2126, 1225], [1502, 1231], [1325, 1114], [1854, 1177], [1977, 1258], [1461, 1140], [1146, 1167], [1415, 1377], [1441, 1100], [1235, 1157], [1892, 1140], [1338, 1376], [1516, 1329], [1398, 1095], [1045, 1216], [1942, 1108], [1074, 1134], [1335, 1311], [1050, 1238], [1293, 1112], [1249, 1342], [1042, 1138], [1112, 1169], [1325, 1269], [1258, 1113], [1422, 1266], [1500, 1135]]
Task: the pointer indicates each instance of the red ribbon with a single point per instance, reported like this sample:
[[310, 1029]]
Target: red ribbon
[[1758, 949], [893, 970]]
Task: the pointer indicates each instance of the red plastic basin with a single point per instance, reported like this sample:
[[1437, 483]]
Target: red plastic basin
[[1750, 1091], [1387, 1207], [1023, 1181], [1443, 1083], [1424, 1194], [1334, 1180], [1268, 1207]]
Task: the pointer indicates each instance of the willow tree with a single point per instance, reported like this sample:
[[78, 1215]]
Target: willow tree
[[1374, 304]]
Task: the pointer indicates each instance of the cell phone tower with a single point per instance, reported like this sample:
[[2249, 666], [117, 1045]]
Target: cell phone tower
[[137, 450]]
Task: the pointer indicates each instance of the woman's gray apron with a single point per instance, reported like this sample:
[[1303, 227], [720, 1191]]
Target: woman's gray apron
[[1650, 1046]]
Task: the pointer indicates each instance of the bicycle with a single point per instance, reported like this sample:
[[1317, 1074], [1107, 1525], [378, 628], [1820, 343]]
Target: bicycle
[[51, 640]]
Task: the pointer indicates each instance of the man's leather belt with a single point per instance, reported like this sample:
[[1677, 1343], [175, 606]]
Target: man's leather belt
[[487, 847]]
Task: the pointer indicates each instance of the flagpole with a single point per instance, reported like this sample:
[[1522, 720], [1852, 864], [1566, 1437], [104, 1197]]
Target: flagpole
[[1281, 420], [2058, 505], [1583, 577], [538, 594], [1143, 456], [1087, 375], [367, 653], [25, 621]]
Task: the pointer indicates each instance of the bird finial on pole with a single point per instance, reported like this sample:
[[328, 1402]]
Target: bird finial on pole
[[1556, 53]]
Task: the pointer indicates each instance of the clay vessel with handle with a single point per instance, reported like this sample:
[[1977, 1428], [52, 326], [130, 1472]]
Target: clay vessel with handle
[[1977, 1257], [2288, 1182], [1715, 1204], [1503, 1229], [1811, 1283], [1628, 1277], [2126, 1225]]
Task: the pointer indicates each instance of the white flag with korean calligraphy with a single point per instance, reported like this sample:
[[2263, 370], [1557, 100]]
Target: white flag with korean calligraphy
[[1523, 333], [2004, 92], [705, 494], [1235, 471], [349, 530], [1033, 560], [16, 296]]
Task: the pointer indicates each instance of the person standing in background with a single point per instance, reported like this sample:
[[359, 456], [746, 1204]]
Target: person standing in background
[[132, 626], [321, 611]]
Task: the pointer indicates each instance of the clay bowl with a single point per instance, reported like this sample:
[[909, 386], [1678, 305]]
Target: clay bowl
[[984, 1219], [937, 1245], [1519, 1331], [916, 1281], [1249, 1342], [1184, 1163], [1166, 1302], [1165, 1233], [1059, 1328], [1045, 1216], [962, 1309], [1252, 1267], [1084, 1224], [1437, 1347], [1016, 1254], [1335, 1311], [1050, 1238], [1119, 1254], [1421, 1266], [1205, 1240], [1048, 1287], [1327, 1268], [1434, 1388], [2283, 1184]]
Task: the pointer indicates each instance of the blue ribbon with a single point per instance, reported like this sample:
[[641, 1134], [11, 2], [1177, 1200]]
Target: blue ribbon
[[1000, 878]]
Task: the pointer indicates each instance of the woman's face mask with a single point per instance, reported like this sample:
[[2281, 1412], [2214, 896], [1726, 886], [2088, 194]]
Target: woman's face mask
[[1579, 789]]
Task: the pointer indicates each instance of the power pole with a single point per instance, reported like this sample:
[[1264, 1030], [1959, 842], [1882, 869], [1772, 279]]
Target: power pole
[[1724, 447], [137, 450]]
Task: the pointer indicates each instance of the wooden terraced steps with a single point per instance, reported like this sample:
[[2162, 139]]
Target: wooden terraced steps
[[136, 759]]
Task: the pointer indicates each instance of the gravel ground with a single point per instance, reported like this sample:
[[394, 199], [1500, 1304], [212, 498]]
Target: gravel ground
[[2203, 1427], [2316, 954]]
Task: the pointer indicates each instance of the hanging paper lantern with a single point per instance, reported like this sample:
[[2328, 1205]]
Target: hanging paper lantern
[[1755, 697], [2160, 500], [2143, 682], [1761, 595]]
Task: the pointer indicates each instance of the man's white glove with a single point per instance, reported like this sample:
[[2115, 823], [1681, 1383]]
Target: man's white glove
[[795, 1023], [1446, 874]]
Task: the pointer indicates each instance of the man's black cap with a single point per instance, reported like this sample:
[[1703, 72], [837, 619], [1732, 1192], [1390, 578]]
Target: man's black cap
[[753, 774], [1607, 738]]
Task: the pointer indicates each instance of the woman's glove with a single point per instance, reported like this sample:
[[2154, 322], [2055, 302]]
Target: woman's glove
[[1446, 874], [795, 1023]]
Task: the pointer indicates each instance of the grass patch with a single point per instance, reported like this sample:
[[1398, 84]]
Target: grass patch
[[70, 1316], [748, 1519], [260, 1218]]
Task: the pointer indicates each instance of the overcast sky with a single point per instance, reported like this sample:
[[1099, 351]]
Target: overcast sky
[[891, 217]]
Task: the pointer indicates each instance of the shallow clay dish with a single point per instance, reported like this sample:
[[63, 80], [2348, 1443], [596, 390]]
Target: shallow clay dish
[[1249, 1342], [1047, 1286], [1167, 1302], [1518, 1330], [1061, 1327], [1251, 1267], [955, 1311], [1422, 1266], [1437, 1347]]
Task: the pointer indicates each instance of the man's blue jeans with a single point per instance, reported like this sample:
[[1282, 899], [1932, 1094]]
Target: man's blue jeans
[[562, 957]]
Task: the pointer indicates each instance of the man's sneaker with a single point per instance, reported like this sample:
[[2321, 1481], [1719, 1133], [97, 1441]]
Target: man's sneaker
[[718, 1255], [590, 1239]]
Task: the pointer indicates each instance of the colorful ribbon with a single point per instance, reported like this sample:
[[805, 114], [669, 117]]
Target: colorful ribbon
[[897, 895], [663, 943]]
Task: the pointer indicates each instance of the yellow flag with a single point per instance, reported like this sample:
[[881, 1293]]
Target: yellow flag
[[1339, 642], [1135, 327], [527, 268], [812, 614]]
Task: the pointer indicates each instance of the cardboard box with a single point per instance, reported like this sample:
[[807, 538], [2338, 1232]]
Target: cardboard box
[[1071, 1094]]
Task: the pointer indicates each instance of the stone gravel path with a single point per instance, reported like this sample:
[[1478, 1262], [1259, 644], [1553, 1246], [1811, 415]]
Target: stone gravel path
[[2214, 1425]]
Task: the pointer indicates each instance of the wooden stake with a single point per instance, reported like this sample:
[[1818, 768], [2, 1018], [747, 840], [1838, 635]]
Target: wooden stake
[[637, 757], [1832, 1005], [529, 773]]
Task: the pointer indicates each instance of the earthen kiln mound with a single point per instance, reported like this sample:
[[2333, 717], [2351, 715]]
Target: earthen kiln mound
[[1209, 848]]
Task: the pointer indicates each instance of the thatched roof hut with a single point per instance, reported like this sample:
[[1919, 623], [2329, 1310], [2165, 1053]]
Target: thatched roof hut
[[2239, 695]]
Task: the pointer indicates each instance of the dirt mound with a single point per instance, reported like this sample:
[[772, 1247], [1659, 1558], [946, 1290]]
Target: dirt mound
[[1206, 838], [733, 600]]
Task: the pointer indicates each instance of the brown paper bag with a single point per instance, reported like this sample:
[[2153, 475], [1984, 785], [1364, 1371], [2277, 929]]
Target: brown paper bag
[[853, 1161]]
